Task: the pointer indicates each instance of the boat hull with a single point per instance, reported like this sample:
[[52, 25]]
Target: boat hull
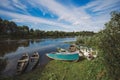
[[34, 61], [63, 56], [22, 64]]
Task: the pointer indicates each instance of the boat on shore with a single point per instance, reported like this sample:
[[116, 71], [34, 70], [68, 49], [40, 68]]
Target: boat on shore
[[64, 56], [72, 49], [61, 50], [22, 63], [89, 53], [34, 59]]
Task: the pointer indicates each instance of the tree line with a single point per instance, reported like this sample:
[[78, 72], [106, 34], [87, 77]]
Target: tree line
[[11, 29]]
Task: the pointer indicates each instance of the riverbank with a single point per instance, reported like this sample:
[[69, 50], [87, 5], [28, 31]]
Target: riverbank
[[62, 70]]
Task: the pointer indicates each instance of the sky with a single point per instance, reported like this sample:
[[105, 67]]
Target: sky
[[60, 15]]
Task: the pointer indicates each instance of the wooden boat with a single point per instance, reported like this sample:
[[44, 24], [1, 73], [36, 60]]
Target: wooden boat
[[64, 56], [89, 53], [34, 60], [22, 63], [61, 50], [72, 49]]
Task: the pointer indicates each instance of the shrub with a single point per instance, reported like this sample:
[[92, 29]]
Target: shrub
[[110, 45]]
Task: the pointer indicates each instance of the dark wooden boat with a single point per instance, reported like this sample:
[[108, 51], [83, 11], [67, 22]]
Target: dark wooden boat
[[34, 60], [22, 63]]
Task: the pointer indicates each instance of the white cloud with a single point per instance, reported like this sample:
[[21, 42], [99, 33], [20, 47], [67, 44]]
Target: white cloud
[[6, 4], [75, 16], [103, 5], [33, 20], [19, 5], [69, 18]]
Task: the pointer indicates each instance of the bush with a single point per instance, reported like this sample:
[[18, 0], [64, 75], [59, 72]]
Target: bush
[[108, 41], [110, 45]]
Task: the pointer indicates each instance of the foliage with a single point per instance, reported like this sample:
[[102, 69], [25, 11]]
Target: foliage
[[110, 45], [83, 39], [9, 29], [107, 40], [83, 70]]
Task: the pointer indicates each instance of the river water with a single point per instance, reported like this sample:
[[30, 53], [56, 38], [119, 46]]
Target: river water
[[12, 50]]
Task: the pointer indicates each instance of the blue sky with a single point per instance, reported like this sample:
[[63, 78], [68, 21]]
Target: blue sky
[[61, 15]]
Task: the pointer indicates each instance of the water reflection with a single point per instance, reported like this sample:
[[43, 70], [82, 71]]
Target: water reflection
[[3, 63], [11, 46], [13, 49]]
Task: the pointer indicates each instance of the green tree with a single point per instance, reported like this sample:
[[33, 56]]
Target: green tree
[[26, 29], [12, 27], [110, 45], [31, 31]]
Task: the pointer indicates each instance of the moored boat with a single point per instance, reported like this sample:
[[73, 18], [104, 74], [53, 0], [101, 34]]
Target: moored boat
[[22, 63], [89, 53], [64, 56], [61, 50], [72, 49], [34, 60]]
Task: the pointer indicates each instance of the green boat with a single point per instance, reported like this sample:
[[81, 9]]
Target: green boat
[[64, 56]]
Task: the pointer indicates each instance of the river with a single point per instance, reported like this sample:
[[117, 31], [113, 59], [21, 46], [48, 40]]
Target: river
[[12, 50]]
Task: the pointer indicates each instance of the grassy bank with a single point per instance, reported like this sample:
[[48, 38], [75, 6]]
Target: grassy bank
[[83, 70], [61, 70]]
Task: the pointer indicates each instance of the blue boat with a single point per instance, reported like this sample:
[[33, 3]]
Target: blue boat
[[64, 56]]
